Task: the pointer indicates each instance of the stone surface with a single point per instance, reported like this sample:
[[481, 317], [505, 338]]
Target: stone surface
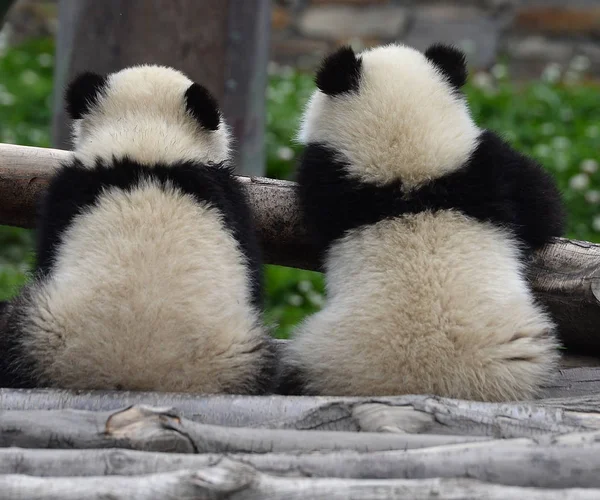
[[280, 17], [468, 27], [535, 47], [334, 22], [565, 19]]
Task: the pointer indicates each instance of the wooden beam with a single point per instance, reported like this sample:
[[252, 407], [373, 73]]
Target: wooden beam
[[25, 171], [398, 414], [221, 44], [565, 275]]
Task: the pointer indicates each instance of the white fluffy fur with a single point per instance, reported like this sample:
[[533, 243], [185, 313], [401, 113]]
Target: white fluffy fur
[[425, 303], [403, 123], [149, 290], [432, 304], [143, 116], [150, 293]]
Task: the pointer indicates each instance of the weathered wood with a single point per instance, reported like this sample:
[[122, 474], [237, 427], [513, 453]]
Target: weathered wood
[[221, 44], [25, 171], [403, 414], [237, 481], [566, 277], [155, 429], [571, 460]]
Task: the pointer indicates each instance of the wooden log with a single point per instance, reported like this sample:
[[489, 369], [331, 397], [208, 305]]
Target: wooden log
[[235, 481], [511, 462], [155, 429], [25, 171], [404, 414], [565, 275]]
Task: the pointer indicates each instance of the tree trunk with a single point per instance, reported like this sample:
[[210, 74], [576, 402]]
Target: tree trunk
[[222, 44]]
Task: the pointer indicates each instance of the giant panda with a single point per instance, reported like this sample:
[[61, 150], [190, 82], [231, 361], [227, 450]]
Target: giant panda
[[425, 224], [148, 268]]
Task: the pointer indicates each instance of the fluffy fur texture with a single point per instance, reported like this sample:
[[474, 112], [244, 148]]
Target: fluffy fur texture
[[149, 271], [425, 223]]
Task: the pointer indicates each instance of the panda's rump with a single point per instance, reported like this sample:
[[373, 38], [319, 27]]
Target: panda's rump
[[430, 302], [148, 287]]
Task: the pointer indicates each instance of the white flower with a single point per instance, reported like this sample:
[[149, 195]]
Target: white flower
[[548, 128], [592, 196], [579, 182], [499, 71], [285, 153], [580, 63], [589, 165], [482, 80], [29, 77], [551, 73], [561, 142], [543, 150], [305, 286], [45, 60], [295, 300], [592, 131]]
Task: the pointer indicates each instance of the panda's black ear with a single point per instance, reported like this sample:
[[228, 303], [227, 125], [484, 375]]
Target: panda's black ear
[[339, 72], [203, 107], [451, 61], [83, 93]]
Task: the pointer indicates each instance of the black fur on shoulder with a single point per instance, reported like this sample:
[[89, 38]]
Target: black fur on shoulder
[[200, 103], [497, 184], [339, 72], [83, 93], [451, 61], [74, 188]]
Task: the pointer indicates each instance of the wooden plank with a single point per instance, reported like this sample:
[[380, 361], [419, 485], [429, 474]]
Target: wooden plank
[[221, 44]]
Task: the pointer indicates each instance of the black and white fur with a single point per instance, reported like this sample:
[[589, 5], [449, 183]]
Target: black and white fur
[[148, 269], [425, 223]]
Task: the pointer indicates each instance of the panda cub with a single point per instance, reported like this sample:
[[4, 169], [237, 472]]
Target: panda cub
[[425, 223], [148, 268]]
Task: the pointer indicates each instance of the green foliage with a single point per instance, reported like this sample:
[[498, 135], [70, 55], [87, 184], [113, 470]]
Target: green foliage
[[555, 122]]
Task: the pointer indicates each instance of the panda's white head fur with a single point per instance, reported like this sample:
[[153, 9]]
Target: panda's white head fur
[[151, 114], [393, 113]]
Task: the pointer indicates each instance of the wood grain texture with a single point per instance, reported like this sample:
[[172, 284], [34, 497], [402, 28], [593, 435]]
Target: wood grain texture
[[511, 462], [237, 481], [418, 414], [158, 429]]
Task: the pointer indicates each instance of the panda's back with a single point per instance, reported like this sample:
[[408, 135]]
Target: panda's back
[[433, 302], [144, 280]]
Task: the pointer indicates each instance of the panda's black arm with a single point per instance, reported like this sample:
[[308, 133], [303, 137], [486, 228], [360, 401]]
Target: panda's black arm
[[331, 202], [509, 188]]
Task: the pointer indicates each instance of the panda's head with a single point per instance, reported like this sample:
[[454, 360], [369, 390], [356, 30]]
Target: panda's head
[[393, 113], [151, 114]]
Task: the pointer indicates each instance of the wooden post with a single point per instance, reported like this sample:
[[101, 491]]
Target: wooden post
[[5, 6], [222, 44]]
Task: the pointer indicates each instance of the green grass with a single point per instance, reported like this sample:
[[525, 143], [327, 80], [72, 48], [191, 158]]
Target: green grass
[[555, 122]]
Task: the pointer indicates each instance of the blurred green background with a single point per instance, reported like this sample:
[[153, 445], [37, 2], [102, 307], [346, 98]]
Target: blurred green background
[[556, 119]]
